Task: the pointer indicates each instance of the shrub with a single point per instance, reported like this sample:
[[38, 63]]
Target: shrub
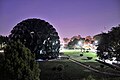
[[19, 63], [89, 58], [81, 55]]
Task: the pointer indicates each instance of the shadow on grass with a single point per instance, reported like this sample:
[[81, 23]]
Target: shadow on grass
[[67, 70]]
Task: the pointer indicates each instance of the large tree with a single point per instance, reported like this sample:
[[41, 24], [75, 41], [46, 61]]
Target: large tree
[[19, 63], [72, 43], [109, 44], [114, 35], [104, 49], [76, 43], [39, 36]]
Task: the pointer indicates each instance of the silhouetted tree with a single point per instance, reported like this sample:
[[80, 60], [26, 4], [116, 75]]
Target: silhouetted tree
[[109, 44], [88, 39], [72, 43], [19, 63], [103, 46], [115, 41], [65, 40], [39, 36]]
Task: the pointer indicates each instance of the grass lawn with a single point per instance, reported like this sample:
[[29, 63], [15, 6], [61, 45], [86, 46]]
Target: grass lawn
[[76, 55], [67, 70]]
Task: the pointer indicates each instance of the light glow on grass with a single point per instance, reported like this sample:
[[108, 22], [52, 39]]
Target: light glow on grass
[[76, 55], [71, 50]]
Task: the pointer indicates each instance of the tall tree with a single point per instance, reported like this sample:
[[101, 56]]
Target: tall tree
[[109, 44], [19, 63], [39, 36], [103, 46], [115, 41]]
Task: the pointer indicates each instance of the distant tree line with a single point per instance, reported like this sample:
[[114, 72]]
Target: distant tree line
[[77, 42]]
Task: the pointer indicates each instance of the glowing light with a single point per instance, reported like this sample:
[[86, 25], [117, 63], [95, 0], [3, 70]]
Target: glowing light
[[96, 42], [32, 32], [2, 51], [59, 56], [80, 43]]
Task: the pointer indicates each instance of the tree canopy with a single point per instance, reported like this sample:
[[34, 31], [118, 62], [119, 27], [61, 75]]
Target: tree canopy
[[74, 43], [114, 36], [19, 63], [109, 44], [39, 36]]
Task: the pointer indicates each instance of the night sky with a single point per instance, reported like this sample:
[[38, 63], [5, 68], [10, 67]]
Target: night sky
[[69, 17]]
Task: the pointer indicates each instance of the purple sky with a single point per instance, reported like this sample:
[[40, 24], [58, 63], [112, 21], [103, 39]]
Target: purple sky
[[69, 17]]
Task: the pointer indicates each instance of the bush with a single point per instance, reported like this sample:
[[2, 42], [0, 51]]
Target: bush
[[89, 58], [60, 67], [87, 51], [81, 55], [19, 63], [102, 66]]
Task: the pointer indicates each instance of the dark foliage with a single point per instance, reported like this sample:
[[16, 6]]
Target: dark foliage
[[3, 41], [114, 35], [81, 55], [39, 36], [18, 63], [109, 45]]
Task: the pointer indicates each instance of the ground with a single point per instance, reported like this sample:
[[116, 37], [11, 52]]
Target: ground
[[67, 70]]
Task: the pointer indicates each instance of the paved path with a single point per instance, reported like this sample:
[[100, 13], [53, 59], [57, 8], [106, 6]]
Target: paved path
[[92, 68]]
